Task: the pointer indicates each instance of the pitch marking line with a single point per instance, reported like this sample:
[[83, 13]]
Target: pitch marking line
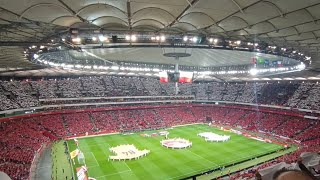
[[192, 172], [95, 159], [202, 157], [127, 165], [93, 166], [114, 173], [97, 144], [123, 161]]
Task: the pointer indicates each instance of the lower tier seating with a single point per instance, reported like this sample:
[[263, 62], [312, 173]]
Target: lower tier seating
[[20, 139]]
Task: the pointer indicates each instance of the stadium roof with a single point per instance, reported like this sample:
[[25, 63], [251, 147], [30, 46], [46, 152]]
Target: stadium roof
[[199, 56], [286, 23]]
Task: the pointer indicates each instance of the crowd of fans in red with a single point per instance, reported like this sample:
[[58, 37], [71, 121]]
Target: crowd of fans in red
[[20, 139]]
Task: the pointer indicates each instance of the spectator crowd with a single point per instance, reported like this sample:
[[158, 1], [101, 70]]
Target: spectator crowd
[[20, 94], [20, 139]]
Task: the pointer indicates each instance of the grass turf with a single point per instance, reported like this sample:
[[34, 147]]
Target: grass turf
[[163, 163], [60, 164]]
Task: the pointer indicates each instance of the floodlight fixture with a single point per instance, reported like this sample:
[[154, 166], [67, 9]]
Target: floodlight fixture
[[185, 39], [194, 39], [35, 56], [102, 38], [163, 38], [253, 71], [133, 37], [76, 40]]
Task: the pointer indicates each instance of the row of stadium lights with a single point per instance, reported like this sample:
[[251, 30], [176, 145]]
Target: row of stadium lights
[[253, 71], [133, 38], [101, 38], [127, 37], [298, 67]]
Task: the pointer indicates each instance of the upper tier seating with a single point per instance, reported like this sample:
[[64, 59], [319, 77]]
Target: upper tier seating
[[46, 89], [21, 94]]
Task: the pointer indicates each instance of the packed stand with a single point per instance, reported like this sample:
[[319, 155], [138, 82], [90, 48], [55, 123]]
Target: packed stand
[[93, 86], [105, 121], [311, 133], [232, 91], [168, 88], [292, 127], [152, 86], [124, 86], [217, 115], [140, 89], [233, 116], [271, 121], [185, 115], [250, 120], [249, 92], [5, 102], [70, 88], [20, 139], [108, 83], [277, 93], [46, 89], [307, 96], [215, 91], [201, 91], [22, 92], [78, 123]]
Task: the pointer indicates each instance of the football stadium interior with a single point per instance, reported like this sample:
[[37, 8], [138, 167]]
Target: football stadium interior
[[159, 89]]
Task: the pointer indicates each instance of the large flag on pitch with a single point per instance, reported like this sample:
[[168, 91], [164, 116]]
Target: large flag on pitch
[[74, 153]]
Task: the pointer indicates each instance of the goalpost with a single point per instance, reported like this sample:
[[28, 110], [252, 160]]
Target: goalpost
[[81, 158]]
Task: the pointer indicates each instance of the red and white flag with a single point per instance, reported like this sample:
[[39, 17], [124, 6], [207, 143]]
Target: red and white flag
[[185, 77], [163, 77]]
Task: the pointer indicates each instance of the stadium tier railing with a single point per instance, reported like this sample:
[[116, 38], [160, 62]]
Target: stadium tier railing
[[44, 107], [116, 97], [145, 102]]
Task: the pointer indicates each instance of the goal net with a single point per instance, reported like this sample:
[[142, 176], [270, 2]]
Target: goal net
[[81, 159]]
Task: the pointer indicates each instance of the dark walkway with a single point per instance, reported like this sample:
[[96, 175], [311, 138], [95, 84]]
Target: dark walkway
[[43, 171]]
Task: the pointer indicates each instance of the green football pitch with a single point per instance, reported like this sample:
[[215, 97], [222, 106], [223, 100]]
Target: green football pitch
[[163, 163]]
